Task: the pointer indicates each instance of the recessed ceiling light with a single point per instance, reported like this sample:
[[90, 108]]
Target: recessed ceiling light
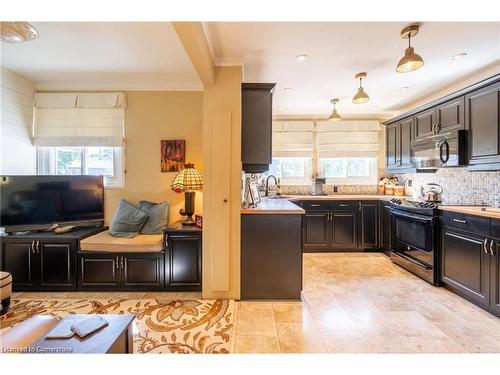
[[404, 88], [459, 56], [287, 89], [301, 58]]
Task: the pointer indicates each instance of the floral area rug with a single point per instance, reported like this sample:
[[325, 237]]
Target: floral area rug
[[161, 325]]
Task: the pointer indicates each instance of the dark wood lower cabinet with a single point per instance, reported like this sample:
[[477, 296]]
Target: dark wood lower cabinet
[[385, 226], [465, 265], [18, 258], [316, 230], [183, 257], [57, 265], [124, 271], [368, 225], [343, 229], [495, 277]]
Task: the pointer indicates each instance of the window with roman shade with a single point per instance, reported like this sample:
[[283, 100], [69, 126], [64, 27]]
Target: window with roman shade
[[344, 152], [80, 133]]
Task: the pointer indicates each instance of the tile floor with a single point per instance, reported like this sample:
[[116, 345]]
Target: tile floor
[[352, 303], [362, 303]]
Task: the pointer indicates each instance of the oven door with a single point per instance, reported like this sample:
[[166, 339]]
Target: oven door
[[413, 237]]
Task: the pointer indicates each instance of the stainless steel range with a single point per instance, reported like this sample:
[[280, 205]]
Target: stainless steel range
[[414, 238]]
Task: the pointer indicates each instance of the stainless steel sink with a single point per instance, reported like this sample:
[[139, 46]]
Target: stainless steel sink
[[278, 197]]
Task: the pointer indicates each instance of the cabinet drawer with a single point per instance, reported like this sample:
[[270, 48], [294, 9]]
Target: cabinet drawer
[[345, 206], [469, 223], [315, 205]]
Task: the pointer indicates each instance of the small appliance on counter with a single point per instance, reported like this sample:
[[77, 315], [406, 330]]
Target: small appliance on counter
[[317, 186], [433, 193]]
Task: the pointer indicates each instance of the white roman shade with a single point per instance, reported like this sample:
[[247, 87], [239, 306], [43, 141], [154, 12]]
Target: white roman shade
[[293, 138], [79, 119], [348, 139]]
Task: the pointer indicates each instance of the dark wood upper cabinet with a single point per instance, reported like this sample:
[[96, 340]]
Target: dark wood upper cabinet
[[482, 119], [398, 141], [450, 116], [424, 125], [256, 126]]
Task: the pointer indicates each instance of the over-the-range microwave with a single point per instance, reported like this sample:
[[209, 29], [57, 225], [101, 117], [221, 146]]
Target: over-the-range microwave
[[446, 150]]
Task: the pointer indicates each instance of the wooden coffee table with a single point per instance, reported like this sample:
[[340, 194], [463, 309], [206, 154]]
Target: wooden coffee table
[[114, 338]]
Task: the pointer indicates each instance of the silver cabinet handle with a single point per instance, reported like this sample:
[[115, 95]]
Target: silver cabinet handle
[[343, 205], [38, 247], [122, 262], [33, 247], [491, 247], [315, 205], [484, 245], [359, 203], [460, 221], [117, 262]]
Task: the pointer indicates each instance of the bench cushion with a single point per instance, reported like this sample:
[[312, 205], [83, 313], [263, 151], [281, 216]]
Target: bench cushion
[[28, 331], [105, 242]]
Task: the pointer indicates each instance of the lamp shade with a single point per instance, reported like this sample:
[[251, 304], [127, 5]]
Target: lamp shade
[[188, 179], [410, 61]]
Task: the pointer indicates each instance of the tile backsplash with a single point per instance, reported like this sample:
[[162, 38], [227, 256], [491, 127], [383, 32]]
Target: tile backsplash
[[328, 189], [461, 186]]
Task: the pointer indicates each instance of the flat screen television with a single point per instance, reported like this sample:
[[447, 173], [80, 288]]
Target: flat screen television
[[36, 202]]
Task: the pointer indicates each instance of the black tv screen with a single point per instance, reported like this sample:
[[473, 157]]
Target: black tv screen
[[36, 202]]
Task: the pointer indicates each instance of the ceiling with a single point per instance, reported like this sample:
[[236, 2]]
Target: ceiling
[[339, 50], [103, 55]]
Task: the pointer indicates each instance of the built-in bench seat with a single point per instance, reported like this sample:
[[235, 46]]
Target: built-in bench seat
[[105, 242]]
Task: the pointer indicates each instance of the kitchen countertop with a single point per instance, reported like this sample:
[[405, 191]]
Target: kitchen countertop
[[270, 206], [474, 210], [285, 204]]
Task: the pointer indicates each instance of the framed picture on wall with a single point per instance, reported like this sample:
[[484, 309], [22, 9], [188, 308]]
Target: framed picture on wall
[[254, 194], [198, 221], [173, 155]]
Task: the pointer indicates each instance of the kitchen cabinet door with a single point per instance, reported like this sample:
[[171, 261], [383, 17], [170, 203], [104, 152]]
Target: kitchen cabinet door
[[451, 115], [99, 271], [343, 231], [392, 140], [424, 125], [405, 126], [183, 257], [19, 258], [465, 267], [482, 119], [316, 231], [368, 224], [142, 270], [385, 226], [256, 126], [495, 276], [57, 265]]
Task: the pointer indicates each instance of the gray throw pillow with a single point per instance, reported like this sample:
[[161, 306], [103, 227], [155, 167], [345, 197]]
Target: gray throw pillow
[[128, 220], [157, 219]]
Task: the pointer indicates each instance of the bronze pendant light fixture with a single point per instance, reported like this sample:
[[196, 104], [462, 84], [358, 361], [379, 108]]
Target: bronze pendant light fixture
[[410, 61], [361, 96], [334, 115]]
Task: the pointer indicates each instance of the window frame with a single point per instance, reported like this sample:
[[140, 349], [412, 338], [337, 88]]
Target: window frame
[[295, 180], [47, 164], [371, 179]]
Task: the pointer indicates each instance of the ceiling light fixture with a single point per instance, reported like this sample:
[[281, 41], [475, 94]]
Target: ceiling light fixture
[[459, 56], [301, 58], [17, 32], [287, 89], [410, 61], [361, 96], [334, 116]]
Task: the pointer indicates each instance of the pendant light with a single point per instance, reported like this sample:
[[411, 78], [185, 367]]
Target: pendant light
[[361, 96], [334, 116], [410, 61], [17, 32]]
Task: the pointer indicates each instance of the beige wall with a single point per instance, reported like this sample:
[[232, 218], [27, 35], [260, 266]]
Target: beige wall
[[150, 117]]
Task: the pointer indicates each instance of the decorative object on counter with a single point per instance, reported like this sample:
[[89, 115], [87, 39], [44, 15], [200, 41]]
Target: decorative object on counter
[[399, 190], [317, 186], [386, 185], [410, 61], [188, 181], [254, 195], [60, 230], [199, 221], [433, 193], [334, 116], [173, 153], [361, 96]]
